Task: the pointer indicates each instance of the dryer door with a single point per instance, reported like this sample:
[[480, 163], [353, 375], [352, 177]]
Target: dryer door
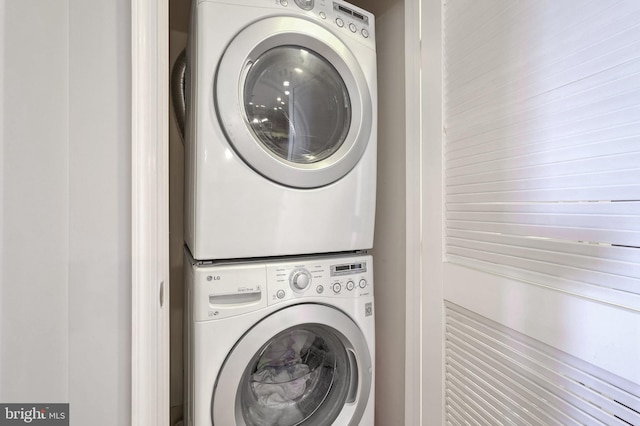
[[293, 101], [312, 373]]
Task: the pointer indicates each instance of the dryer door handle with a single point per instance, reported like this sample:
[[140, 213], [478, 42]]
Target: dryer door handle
[[353, 377], [241, 81]]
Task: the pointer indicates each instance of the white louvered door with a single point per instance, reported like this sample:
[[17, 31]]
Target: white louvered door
[[498, 376], [541, 116]]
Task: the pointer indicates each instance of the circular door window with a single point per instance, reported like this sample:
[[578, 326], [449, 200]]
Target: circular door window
[[301, 374], [297, 105], [293, 102], [313, 373]]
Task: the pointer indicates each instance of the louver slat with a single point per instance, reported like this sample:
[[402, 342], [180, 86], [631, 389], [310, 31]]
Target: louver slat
[[525, 381], [541, 120]]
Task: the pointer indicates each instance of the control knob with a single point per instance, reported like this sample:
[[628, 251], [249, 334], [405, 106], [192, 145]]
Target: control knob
[[300, 279], [305, 4]]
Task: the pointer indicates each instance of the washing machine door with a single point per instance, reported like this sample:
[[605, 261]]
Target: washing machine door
[[317, 372], [294, 102]]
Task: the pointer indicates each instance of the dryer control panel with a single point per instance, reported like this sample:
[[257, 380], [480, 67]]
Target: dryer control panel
[[341, 16]]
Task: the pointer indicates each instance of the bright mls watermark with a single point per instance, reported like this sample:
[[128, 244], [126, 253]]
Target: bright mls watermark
[[34, 414]]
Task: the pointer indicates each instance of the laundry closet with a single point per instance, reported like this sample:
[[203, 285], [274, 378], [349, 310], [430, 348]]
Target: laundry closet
[[389, 242]]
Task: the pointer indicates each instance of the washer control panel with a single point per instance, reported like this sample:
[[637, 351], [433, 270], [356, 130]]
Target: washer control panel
[[217, 291], [324, 277]]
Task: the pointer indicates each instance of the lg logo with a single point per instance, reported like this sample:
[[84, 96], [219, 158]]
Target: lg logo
[[213, 278]]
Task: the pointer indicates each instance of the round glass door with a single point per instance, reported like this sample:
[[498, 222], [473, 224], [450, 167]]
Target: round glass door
[[297, 105], [301, 374], [293, 102], [316, 372]]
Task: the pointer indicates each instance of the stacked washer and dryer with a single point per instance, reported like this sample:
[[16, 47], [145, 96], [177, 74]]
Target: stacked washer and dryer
[[280, 148]]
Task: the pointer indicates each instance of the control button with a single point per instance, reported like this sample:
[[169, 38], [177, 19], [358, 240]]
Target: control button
[[305, 4], [300, 279], [320, 289], [323, 15], [350, 285], [365, 33], [362, 283], [339, 22], [280, 294], [353, 28], [284, 3], [337, 287]]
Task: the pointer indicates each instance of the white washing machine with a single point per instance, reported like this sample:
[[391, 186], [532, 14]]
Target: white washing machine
[[280, 343], [281, 130]]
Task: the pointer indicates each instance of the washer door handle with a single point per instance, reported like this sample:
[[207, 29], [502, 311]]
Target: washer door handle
[[353, 377]]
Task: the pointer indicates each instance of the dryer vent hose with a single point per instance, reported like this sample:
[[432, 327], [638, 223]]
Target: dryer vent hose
[[178, 90]]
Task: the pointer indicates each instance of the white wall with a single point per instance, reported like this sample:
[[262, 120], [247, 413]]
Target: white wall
[[65, 291], [389, 244], [34, 246]]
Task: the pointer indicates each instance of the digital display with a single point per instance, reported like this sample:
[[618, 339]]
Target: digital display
[[350, 12], [349, 268]]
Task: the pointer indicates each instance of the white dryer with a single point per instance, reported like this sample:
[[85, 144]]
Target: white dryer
[[281, 130], [280, 343]]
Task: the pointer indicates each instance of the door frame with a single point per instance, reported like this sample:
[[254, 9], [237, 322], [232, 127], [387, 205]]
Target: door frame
[[150, 396], [414, 294], [150, 213]]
